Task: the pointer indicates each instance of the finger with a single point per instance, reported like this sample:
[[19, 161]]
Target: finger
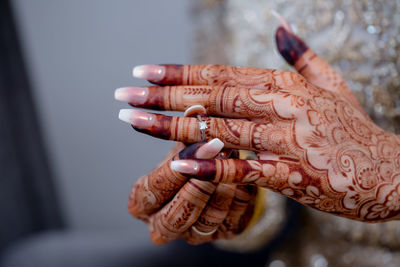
[[216, 75], [315, 69], [235, 219], [232, 102], [240, 212], [265, 173], [284, 177], [193, 111], [179, 214], [151, 191], [238, 134], [202, 152], [213, 215]]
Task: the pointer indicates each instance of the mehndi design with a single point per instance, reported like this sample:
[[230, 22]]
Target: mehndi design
[[315, 143]]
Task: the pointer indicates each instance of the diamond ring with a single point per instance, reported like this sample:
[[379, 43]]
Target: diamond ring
[[202, 127]]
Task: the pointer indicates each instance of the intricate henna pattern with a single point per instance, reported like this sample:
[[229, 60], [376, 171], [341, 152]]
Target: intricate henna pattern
[[333, 142], [316, 143], [170, 203]]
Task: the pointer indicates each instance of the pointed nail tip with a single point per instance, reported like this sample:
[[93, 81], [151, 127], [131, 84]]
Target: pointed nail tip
[[275, 14], [284, 23]]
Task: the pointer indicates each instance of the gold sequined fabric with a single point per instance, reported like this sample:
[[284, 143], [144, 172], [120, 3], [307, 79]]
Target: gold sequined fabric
[[361, 39]]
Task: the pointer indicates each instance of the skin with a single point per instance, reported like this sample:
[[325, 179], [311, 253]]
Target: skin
[[170, 203], [315, 143]]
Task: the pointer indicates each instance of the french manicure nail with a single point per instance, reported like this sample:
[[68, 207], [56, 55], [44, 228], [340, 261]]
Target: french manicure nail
[[185, 166], [152, 73], [137, 118], [210, 149], [133, 95]]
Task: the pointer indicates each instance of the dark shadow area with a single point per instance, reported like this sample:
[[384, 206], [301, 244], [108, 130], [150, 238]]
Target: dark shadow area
[[28, 202]]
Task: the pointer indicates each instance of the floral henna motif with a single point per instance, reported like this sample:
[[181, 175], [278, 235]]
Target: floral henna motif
[[345, 158], [332, 156], [316, 143], [352, 159]]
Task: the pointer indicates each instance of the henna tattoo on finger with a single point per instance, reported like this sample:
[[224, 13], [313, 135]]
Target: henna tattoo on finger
[[217, 208], [179, 214]]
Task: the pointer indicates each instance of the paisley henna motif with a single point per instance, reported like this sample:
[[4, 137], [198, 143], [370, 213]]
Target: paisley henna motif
[[317, 144], [334, 143]]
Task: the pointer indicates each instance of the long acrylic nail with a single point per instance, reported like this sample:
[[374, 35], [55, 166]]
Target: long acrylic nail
[[152, 73], [137, 118], [185, 166], [133, 95], [282, 20], [210, 149]]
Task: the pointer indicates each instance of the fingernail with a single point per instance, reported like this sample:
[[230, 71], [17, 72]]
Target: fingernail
[[282, 20], [289, 45], [137, 118], [210, 149], [149, 72], [185, 166], [133, 95]]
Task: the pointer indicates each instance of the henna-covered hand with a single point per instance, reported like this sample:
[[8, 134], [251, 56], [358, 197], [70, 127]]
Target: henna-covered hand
[[171, 204], [317, 144]]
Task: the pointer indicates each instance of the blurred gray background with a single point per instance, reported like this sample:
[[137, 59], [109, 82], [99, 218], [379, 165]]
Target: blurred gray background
[[77, 53]]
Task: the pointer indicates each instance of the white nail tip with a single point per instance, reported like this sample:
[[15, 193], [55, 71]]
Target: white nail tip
[[176, 166], [216, 143], [125, 115], [139, 71], [120, 94]]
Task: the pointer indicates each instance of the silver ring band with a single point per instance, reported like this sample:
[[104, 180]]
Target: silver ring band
[[201, 232], [202, 127]]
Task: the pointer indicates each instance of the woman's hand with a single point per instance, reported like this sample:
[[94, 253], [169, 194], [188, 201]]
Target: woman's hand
[[174, 206], [315, 142]]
